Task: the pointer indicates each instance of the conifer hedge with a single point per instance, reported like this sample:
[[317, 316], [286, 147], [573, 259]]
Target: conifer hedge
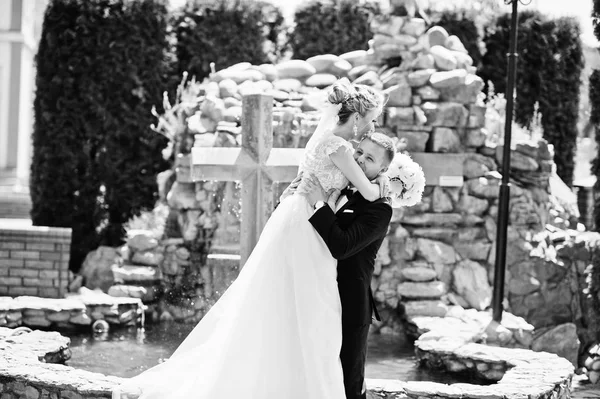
[[331, 27], [549, 70], [226, 32], [594, 96], [101, 65]]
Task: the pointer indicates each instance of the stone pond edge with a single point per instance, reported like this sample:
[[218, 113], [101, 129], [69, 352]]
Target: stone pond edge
[[23, 373]]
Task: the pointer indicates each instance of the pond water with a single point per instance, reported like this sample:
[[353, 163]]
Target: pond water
[[126, 353]]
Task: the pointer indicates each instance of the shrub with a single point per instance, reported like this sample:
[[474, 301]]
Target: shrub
[[331, 27], [548, 71], [101, 65], [594, 96], [226, 32]]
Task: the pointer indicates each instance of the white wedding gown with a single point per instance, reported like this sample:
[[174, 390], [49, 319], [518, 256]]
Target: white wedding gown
[[276, 332]]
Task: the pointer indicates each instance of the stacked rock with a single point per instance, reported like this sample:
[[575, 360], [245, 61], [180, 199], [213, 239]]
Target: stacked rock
[[139, 274], [439, 253], [74, 312], [433, 89]]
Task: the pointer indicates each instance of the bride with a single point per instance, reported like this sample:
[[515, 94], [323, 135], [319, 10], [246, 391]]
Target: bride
[[276, 332]]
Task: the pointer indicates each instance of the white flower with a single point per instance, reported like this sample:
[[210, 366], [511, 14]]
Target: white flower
[[407, 181]]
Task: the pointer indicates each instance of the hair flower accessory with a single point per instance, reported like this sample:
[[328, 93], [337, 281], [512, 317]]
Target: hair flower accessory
[[407, 181]]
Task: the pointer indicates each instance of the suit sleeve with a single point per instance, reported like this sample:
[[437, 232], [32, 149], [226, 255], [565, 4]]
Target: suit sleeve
[[366, 228]]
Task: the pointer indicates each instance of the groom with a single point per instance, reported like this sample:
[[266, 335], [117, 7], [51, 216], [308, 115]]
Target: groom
[[353, 229]]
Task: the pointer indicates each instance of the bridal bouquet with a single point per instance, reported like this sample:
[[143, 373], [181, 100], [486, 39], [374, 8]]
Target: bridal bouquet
[[407, 181]]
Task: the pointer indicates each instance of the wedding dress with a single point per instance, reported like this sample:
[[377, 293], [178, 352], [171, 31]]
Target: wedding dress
[[276, 332]]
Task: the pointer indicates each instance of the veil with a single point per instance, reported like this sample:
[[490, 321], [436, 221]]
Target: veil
[[328, 120]]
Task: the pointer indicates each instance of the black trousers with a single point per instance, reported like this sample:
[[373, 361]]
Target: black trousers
[[354, 357]]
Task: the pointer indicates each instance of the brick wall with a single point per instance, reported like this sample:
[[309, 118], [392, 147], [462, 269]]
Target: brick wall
[[34, 260]]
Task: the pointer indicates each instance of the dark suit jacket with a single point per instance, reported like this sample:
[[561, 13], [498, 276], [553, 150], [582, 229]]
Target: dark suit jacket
[[353, 236]]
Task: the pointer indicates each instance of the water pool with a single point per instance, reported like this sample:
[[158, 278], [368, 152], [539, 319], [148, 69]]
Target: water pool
[[126, 353]]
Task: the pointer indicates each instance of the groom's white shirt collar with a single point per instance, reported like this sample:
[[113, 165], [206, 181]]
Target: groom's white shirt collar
[[343, 199]]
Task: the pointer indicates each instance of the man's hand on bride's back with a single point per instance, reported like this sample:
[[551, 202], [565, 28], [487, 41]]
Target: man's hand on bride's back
[[291, 189], [311, 188]]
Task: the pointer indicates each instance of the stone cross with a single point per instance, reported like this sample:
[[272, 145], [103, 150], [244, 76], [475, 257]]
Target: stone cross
[[256, 165]]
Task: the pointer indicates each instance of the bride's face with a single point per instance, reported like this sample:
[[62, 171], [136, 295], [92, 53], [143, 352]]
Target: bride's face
[[364, 124]]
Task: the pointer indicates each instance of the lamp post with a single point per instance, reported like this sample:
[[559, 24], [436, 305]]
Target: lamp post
[[503, 201]]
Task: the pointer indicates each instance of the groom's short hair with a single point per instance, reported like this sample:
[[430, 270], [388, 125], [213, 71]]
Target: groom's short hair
[[383, 141]]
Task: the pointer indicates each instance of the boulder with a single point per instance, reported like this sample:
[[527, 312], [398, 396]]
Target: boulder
[[428, 93], [433, 219], [476, 115], [470, 281], [323, 62], [97, 268], [321, 80], [360, 70], [475, 138], [421, 290], [418, 274], [370, 78], [483, 187], [147, 258], [269, 71], [445, 114], [419, 77], [394, 76], [437, 36], [287, 85], [142, 242], [463, 60], [441, 201], [436, 252], [399, 96], [454, 43], [227, 88], [405, 40], [295, 69], [477, 165], [464, 93], [399, 117], [423, 61], [561, 340], [449, 80], [472, 205], [427, 308], [518, 160], [478, 250], [443, 234], [444, 59], [445, 139], [415, 141], [355, 58], [414, 27]]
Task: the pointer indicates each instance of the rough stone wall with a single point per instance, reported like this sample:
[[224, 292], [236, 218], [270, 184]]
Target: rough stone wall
[[437, 253]]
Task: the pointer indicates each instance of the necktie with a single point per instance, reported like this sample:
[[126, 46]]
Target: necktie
[[347, 192]]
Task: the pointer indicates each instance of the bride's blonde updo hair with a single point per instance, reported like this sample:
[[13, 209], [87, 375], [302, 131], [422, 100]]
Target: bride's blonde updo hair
[[354, 98]]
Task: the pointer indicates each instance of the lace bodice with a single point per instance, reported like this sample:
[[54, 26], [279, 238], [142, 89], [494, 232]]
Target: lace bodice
[[317, 161]]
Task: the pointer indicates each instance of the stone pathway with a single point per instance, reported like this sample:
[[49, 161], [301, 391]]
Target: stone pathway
[[75, 311]]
